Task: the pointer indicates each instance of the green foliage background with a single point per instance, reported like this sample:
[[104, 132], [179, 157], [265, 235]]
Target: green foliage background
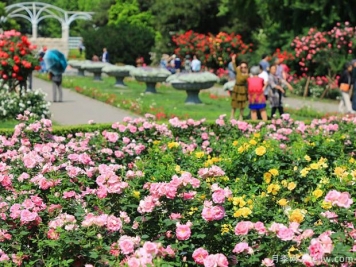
[[268, 24]]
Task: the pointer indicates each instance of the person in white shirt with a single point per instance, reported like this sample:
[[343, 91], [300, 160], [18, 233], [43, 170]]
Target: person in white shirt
[[264, 75], [105, 57], [196, 64]]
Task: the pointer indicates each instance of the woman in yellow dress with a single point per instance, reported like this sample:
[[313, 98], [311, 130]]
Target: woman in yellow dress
[[239, 94]]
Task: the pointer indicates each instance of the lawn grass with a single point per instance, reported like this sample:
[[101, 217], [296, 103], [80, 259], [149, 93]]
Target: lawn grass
[[10, 124], [167, 103]]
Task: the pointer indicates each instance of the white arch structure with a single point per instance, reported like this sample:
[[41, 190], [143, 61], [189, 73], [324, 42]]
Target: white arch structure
[[35, 12]]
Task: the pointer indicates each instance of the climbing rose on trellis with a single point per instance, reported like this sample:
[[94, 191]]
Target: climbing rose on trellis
[[17, 60]]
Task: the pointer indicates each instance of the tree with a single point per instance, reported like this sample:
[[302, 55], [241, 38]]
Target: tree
[[124, 42]]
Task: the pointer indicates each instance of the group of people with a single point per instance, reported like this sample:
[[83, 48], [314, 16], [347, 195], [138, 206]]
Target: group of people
[[174, 65], [257, 85]]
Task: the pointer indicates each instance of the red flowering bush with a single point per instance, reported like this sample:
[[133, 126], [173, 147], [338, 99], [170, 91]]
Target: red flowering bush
[[214, 51], [17, 60]]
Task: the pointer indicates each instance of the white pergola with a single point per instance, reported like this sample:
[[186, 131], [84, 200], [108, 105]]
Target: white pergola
[[35, 12]]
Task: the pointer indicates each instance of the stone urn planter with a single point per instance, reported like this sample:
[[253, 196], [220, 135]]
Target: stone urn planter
[[150, 76], [77, 64], [95, 68], [192, 83], [119, 72]]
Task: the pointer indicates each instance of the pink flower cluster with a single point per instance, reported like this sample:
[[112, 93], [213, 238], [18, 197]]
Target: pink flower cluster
[[111, 222], [213, 171], [202, 257], [212, 213], [342, 200], [139, 256]]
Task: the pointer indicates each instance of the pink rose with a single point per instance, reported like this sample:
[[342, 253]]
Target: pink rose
[[332, 196], [199, 255], [260, 228], [28, 216], [219, 196], [243, 227], [175, 216], [285, 234], [308, 233], [113, 223], [242, 247], [219, 212], [134, 262], [127, 246], [183, 231], [208, 214], [216, 260], [344, 200], [307, 260], [151, 248], [316, 250], [268, 262]]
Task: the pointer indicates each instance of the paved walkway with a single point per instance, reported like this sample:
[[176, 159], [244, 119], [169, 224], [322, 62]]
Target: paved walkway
[[295, 103], [79, 109]]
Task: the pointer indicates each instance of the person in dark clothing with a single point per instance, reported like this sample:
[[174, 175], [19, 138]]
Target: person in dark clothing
[[345, 83], [56, 86], [354, 84]]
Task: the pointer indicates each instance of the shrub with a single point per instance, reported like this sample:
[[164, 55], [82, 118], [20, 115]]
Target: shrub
[[12, 104], [17, 59], [124, 42]]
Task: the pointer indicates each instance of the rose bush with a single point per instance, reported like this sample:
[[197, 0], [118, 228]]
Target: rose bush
[[12, 104], [17, 59], [184, 194]]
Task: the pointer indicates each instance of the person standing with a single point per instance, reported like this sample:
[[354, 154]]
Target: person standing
[[264, 75], [196, 64], [81, 47], [256, 98], [344, 83], [56, 86], [105, 56], [264, 62], [231, 71], [354, 84], [187, 64], [276, 90], [239, 92], [177, 64]]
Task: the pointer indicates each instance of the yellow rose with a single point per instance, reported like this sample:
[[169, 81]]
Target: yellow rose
[[240, 149], [274, 172], [256, 135], [156, 142], [260, 151], [267, 177], [177, 168], [307, 158], [318, 222], [136, 194], [199, 155], [317, 193], [242, 212], [235, 143], [296, 216], [273, 188], [295, 168], [291, 186], [282, 202], [351, 160], [326, 205], [263, 194], [173, 144], [284, 183], [314, 166], [339, 171], [253, 142], [304, 172]]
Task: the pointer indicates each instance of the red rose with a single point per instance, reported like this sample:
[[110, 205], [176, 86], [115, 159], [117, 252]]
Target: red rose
[[16, 68]]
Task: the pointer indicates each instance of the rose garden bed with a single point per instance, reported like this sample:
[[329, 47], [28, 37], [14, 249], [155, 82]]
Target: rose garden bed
[[184, 194]]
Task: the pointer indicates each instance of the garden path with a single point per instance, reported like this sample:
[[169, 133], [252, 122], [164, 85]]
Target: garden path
[[295, 103], [79, 109]]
